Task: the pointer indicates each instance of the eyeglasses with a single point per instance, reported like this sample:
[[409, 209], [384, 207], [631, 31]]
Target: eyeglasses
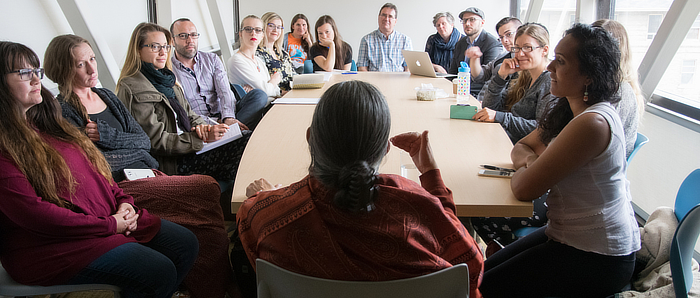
[[249, 29], [525, 49], [25, 74], [273, 27], [470, 20], [184, 36], [507, 35], [156, 47]]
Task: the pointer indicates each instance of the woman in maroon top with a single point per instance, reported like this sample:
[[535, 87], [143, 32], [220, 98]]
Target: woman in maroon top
[[62, 217], [345, 221]]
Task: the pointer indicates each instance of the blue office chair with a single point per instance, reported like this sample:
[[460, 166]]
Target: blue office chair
[[10, 288], [641, 141], [687, 207], [308, 66], [275, 282], [353, 66]]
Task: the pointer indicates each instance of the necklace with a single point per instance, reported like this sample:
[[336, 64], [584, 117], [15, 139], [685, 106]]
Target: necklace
[[255, 62]]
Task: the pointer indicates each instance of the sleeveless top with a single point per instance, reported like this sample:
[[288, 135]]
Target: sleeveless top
[[591, 208]]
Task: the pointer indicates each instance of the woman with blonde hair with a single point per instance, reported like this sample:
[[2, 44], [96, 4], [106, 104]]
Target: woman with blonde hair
[[63, 219], [632, 102], [245, 68], [330, 51], [147, 87], [191, 201], [272, 51], [517, 103]]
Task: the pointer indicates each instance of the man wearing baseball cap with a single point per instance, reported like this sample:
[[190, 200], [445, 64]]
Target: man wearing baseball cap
[[473, 21]]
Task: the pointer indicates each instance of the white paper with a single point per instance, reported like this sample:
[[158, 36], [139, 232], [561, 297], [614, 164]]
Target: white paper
[[297, 101], [233, 133]]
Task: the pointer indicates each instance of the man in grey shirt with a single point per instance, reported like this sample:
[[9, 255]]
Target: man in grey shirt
[[205, 83]]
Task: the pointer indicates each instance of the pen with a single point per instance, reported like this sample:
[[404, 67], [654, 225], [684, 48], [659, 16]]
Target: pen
[[495, 168]]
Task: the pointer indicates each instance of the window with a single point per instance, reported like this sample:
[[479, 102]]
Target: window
[[694, 32], [687, 71], [654, 24]]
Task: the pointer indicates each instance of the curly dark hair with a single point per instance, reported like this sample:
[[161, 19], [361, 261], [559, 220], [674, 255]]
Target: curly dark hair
[[599, 59]]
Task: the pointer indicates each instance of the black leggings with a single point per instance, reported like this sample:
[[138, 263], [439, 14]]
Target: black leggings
[[535, 266]]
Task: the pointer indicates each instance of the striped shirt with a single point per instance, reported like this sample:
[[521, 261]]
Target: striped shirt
[[206, 87], [378, 53]]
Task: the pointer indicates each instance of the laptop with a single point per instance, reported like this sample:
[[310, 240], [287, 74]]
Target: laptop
[[419, 64]]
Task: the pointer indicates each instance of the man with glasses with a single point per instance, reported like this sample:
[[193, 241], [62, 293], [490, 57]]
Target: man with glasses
[[381, 49], [482, 73], [205, 83], [473, 21]]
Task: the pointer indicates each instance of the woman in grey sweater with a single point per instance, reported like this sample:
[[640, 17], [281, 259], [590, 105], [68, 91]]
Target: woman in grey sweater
[[516, 104]]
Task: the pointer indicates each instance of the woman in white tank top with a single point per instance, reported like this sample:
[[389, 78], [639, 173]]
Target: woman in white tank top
[[578, 151]]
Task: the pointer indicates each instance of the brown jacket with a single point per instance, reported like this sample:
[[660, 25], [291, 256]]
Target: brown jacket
[[152, 110]]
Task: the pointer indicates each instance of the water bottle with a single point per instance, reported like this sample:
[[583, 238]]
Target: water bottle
[[463, 80]]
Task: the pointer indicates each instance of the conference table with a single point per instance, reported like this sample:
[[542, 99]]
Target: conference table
[[278, 152]]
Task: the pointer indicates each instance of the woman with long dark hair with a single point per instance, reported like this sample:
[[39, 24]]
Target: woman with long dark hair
[[191, 201], [345, 221], [63, 219], [330, 51], [578, 152], [298, 41]]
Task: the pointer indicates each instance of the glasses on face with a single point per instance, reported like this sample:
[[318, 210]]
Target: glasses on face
[[507, 35], [184, 36], [388, 16], [25, 74], [469, 20], [525, 49], [249, 29], [273, 27], [156, 47]]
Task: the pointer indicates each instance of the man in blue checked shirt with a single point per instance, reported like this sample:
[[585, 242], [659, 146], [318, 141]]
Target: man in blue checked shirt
[[205, 83], [380, 50]]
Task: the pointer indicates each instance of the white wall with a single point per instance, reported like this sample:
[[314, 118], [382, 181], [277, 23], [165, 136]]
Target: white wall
[[357, 18]]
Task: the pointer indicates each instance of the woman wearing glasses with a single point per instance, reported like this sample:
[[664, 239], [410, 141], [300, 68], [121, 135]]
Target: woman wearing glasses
[[147, 87], [63, 219], [330, 51], [517, 103], [271, 50], [245, 68], [191, 201]]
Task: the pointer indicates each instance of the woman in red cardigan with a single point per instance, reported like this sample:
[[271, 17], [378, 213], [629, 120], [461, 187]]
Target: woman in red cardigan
[[62, 217], [345, 221]]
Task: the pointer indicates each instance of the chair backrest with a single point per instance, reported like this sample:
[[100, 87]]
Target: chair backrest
[[276, 282], [353, 66], [11, 288], [641, 140], [682, 248], [688, 195], [308, 66], [238, 91]]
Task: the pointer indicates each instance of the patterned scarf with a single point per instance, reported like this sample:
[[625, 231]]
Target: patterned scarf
[[164, 80], [445, 50]]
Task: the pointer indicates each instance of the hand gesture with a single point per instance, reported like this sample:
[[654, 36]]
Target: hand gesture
[[306, 36], [247, 88], [276, 78], [439, 69], [127, 219], [326, 43], [91, 131], [473, 52], [485, 115], [258, 186], [508, 67], [418, 147]]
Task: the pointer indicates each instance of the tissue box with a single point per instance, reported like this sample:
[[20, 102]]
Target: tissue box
[[462, 111]]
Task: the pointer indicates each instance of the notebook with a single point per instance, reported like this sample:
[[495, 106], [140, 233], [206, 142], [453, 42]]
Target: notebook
[[419, 64]]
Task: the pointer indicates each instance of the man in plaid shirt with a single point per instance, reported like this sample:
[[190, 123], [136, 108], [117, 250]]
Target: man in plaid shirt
[[380, 50]]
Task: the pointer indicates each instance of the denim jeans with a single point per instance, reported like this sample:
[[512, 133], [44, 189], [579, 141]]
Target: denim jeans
[[153, 269], [249, 109]]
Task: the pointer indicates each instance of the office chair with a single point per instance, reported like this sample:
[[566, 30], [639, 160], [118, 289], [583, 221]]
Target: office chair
[[353, 66], [10, 288], [687, 207], [275, 282], [641, 141], [308, 66]]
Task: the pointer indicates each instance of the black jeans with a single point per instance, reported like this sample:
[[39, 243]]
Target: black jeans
[[535, 266]]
